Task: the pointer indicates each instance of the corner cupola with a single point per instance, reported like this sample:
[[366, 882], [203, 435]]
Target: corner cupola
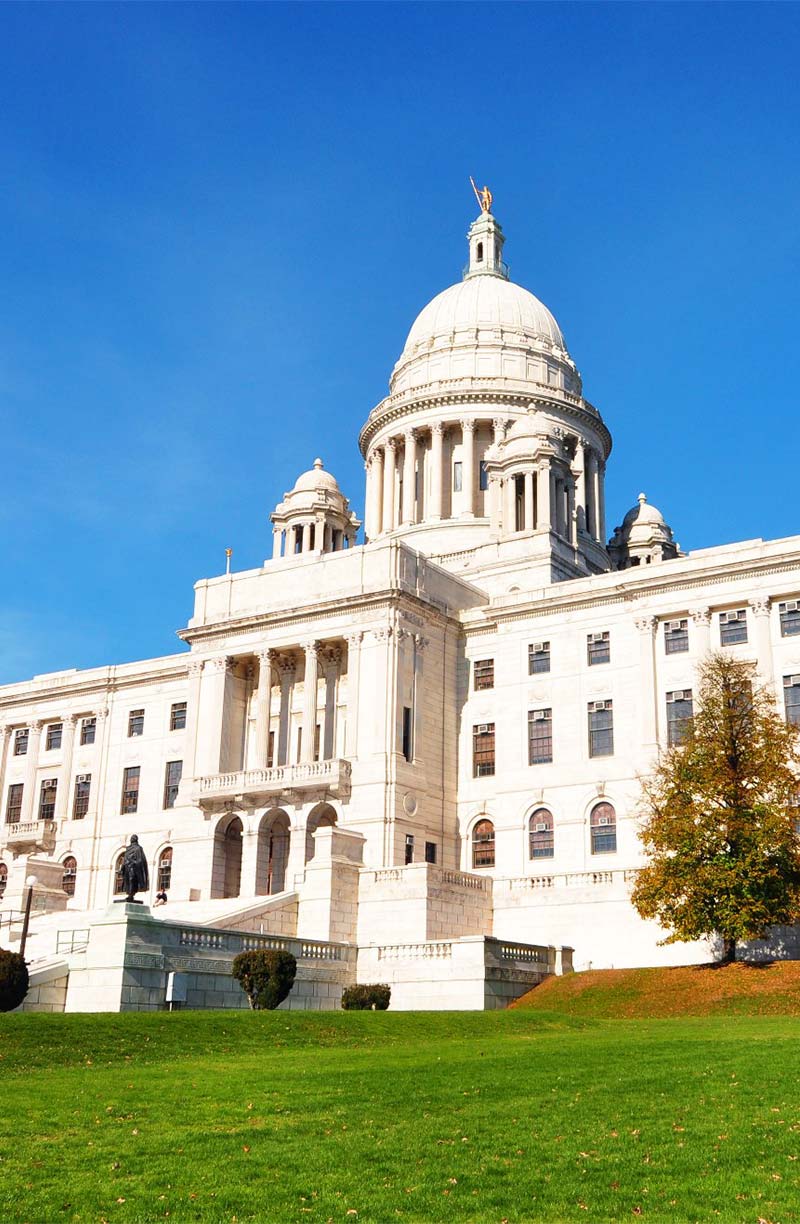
[[314, 516], [486, 240]]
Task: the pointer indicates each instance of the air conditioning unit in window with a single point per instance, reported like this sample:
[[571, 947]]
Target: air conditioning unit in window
[[791, 681], [482, 728], [672, 626], [791, 605], [83, 777], [679, 695], [541, 828], [539, 715], [730, 618], [596, 637], [49, 782], [602, 821], [538, 647], [599, 705]]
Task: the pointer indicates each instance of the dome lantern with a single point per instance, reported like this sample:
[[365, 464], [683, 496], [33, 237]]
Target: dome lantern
[[314, 516], [486, 240]]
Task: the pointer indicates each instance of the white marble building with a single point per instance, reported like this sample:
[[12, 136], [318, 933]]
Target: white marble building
[[468, 697]]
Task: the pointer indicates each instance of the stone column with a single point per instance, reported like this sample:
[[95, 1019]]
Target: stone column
[[296, 862], [418, 743], [701, 618], [67, 746], [99, 769], [195, 671], [263, 698], [377, 492], [529, 503], [601, 501], [579, 473], [499, 429], [277, 542], [760, 607], [331, 659], [210, 756], [29, 786], [287, 667], [509, 505], [647, 678], [389, 467], [369, 499], [306, 545], [555, 504], [495, 497], [5, 736], [409, 475], [572, 514], [544, 519], [353, 681], [319, 533], [310, 700], [591, 483], [437, 473], [468, 467]]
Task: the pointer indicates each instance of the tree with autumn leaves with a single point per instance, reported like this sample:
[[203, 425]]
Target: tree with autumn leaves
[[720, 824]]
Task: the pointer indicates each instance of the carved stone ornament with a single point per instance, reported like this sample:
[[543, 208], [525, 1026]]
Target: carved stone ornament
[[223, 663], [287, 664], [195, 668], [646, 624], [383, 634], [701, 616], [354, 639], [760, 605], [421, 642]]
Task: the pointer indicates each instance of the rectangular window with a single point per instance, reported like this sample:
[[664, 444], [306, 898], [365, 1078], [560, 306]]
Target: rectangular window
[[88, 731], [601, 729], [172, 778], [430, 852], [299, 756], [679, 716], [317, 739], [136, 722], [130, 789], [177, 716], [408, 748], [21, 742], [457, 476], [733, 627], [47, 799], [676, 636], [483, 674], [483, 750], [598, 648], [791, 697], [409, 848], [54, 735], [483, 476], [80, 804], [14, 803], [540, 737], [271, 750], [789, 613], [538, 658]]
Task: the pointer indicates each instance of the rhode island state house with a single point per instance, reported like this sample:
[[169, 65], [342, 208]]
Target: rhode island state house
[[416, 755]]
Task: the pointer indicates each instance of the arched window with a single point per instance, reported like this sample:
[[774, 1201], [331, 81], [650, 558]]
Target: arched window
[[604, 829], [483, 844], [479, 253], [70, 865], [119, 886], [164, 874], [540, 832], [3, 878]]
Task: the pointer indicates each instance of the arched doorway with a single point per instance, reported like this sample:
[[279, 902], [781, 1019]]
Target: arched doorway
[[69, 877], [273, 853], [226, 880], [321, 817]]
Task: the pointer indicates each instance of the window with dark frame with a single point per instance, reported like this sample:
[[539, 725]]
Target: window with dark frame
[[483, 844], [676, 636], [483, 750], [130, 789], [408, 748], [457, 470], [69, 877], [177, 716], [733, 627], [540, 737], [679, 716], [14, 803], [21, 741], [317, 740], [271, 750], [164, 872], [789, 614], [538, 658], [483, 476], [483, 674], [80, 803], [172, 780], [603, 824], [54, 736], [430, 852], [3, 878], [541, 839], [47, 798], [88, 731], [791, 698], [135, 723], [598, 648], [409, 855], [601, 728]]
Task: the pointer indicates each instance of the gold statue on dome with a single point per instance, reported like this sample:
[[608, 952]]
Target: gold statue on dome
[[484, 197]]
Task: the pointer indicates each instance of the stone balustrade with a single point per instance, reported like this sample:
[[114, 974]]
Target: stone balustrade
[[32, 835], [573, 879], [329, 777]]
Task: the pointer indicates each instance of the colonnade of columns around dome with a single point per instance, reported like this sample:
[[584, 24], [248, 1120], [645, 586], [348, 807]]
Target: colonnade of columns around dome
[[310, 534], [558, 487]]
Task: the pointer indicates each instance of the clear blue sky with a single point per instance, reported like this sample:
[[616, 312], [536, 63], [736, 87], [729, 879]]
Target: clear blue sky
[[217, 223]]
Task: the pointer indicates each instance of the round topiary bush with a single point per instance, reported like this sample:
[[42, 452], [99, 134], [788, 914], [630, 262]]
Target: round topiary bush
[[374, 997], [265, 977], [13, 980]]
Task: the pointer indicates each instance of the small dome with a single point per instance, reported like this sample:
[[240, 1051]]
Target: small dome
[[316, 478], [525, 427], [643, 514]]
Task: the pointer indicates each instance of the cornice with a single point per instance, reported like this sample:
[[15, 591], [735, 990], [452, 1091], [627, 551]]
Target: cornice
[[32, 695]]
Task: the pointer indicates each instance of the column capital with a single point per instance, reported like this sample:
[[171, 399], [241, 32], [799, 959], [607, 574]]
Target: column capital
[[468, 424], [287, 664], [421, 642], [195, 667], [102, 714], [438, 427], [646, 623], [69, 720], [390, 444], [36, 725], [410, 435], [311, 647], [760, 605], [331, 656], [354, 639], [266, 655], [701, 616], [222, 663]]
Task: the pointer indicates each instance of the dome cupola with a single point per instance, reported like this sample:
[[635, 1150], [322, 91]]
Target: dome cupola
[[642, 538], [314, 516]]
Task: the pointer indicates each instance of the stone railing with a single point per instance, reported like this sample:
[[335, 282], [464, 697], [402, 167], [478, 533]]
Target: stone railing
[[436, 876], [36, 835], [330, 777], [569, 879], [236, 941], [530, 953], [433, 950]]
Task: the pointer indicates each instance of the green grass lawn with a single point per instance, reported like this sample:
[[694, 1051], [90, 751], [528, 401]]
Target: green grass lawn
[[379, 1117]]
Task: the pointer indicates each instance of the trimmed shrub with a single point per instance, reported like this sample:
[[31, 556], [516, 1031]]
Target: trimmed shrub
[[13, 980], [265, 977], [374, 997]]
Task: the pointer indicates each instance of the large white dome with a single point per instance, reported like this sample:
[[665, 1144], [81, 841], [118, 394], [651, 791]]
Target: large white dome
[[483, 301]]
